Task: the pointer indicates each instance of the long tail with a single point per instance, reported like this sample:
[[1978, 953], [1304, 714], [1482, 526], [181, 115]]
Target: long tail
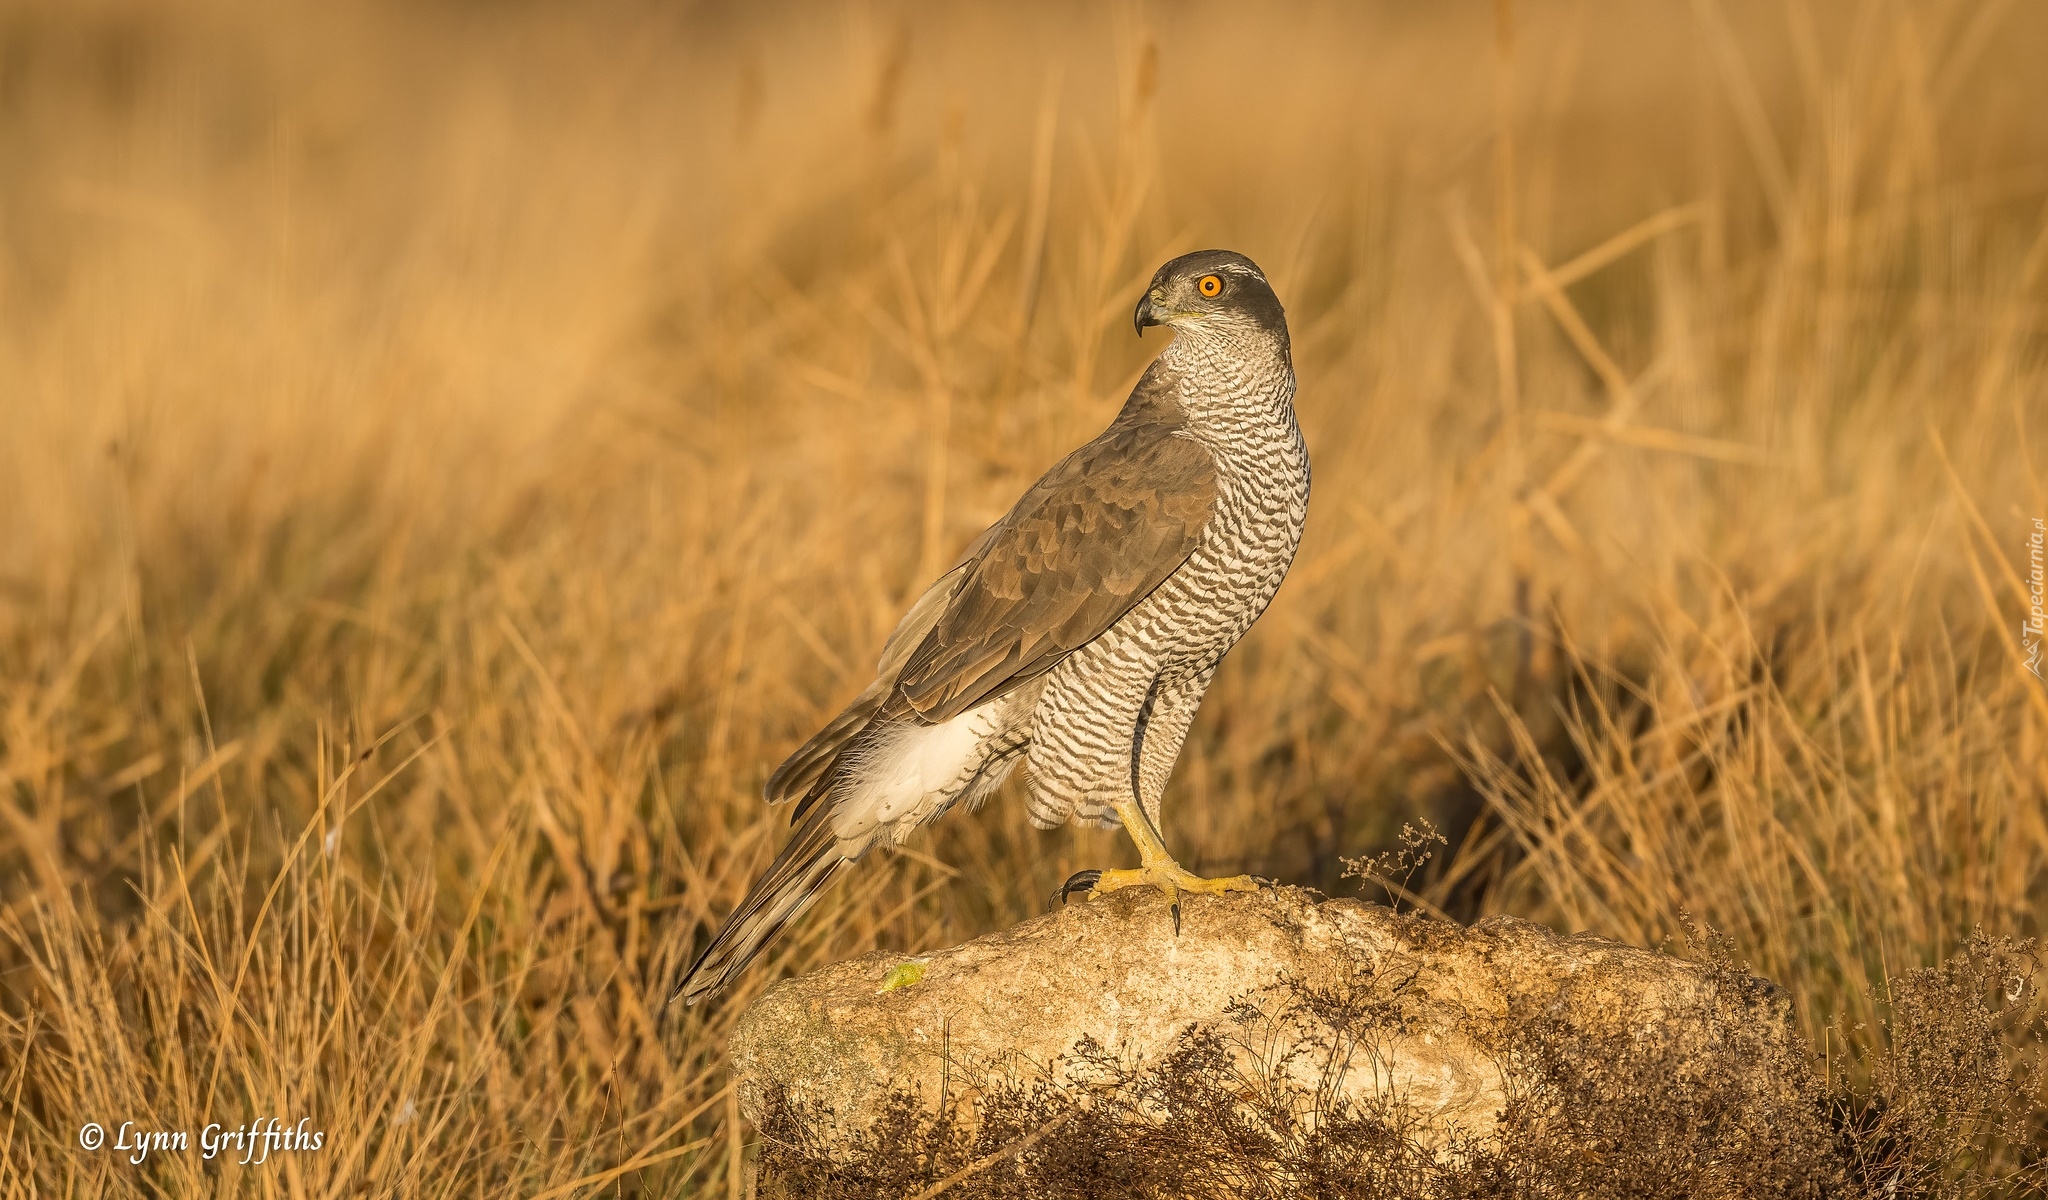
[[887, 773], [806, 864], [790, 884]]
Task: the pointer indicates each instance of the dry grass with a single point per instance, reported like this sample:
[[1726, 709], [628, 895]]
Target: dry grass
[[453, 450]]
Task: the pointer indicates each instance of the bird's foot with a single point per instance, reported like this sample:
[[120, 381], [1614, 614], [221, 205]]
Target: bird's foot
[[1170, 877], [1166, 875]]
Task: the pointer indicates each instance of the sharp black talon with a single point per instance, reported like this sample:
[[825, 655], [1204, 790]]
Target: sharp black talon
[[1176, 916], [1079, 881]]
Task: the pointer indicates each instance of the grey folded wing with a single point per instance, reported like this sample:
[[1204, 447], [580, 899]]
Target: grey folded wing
[[1102, 529], [1093, 538]]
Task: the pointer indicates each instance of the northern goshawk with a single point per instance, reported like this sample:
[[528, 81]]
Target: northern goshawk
[[1080, 631]]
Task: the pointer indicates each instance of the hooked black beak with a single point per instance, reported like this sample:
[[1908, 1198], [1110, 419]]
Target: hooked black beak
[[1149, 311]]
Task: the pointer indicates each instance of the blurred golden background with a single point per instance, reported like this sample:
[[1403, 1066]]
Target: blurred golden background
[[450, 451]]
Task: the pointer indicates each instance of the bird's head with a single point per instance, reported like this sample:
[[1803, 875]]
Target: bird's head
[[1219, 291]]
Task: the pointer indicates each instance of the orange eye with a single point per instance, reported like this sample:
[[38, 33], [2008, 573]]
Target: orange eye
[[1210, 286]]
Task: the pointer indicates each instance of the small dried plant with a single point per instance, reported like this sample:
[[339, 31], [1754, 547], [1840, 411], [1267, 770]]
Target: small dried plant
[[1394, 868]]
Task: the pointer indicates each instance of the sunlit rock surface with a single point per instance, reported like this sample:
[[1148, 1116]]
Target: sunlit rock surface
[[1387, 1008]]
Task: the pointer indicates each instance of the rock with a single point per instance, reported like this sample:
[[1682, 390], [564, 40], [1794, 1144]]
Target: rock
[[1434, 1010]]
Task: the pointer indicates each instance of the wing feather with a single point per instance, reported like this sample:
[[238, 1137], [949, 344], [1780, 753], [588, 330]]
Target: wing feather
[[802, 769], [1094, 537]]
